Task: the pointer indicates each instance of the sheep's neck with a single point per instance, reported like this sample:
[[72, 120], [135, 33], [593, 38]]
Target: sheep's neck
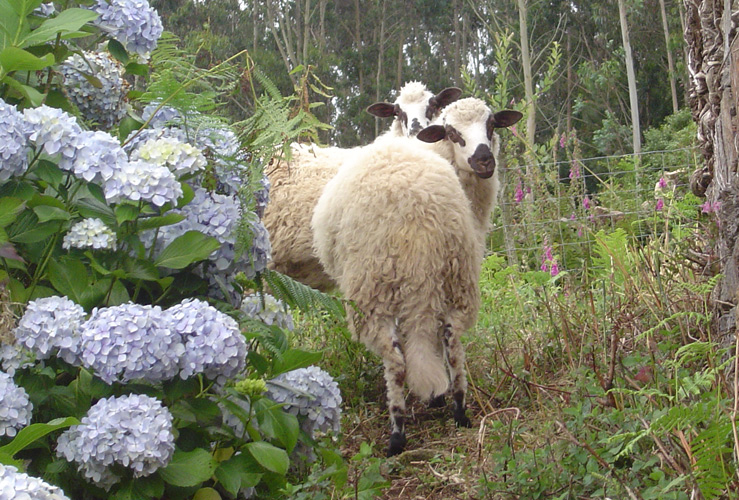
[[481, 193]]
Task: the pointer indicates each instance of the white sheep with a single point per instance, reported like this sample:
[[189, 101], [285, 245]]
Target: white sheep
[[401, 229], [296, 185]]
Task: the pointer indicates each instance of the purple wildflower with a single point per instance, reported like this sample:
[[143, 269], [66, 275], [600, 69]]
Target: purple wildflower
[[519, 193], [662, 183], [660, 204], [586, 203]]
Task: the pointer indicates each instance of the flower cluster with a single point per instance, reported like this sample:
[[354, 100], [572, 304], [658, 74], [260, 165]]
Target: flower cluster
[[213, 342], [133, 431], [15, 407], [13, 142], [548, 262], [139, 137], [311, 393], [104, 104], [260, 252], [134, 23], [261, 196], [164, 116], [268, 310], [140, 180], [130, 342], [50, 327], [90, 233], [55, 131], [180, 157], [16, 485], [98, 155]]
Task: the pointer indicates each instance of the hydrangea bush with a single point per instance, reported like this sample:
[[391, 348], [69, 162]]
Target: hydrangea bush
[[131, 368]]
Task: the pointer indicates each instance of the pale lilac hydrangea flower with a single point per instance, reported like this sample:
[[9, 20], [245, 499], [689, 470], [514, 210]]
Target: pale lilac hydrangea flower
[[14, 132], [90, 233], [134, 23], [15, 485], [98, 156], [260, 252], [105, 105], [15, 407], [55, 131], [214, 345], [138, 137], [310, 393], [45, 10], [133, 431], [130, 342], [50, 327], [271, 312], [179, 157], [140, 180], [164, 116], [261, 196], [14, 357]]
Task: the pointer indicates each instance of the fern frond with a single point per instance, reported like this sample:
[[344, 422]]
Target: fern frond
[[300, 296]]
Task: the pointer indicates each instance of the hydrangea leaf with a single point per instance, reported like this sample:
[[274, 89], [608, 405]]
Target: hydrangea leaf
[[294, 359], [92, 208], [206, 494], [277, 424], [50, 173], [69, 277], [33, 432], [236, 473], [9, 210], [118, 51], [189, 468], [165, 220], [191, 247], [46, 213], [6, 459], [23, 7], [126, 212], [15, 59], [34, 96], [38, 232], [270, 457], [68, 22]]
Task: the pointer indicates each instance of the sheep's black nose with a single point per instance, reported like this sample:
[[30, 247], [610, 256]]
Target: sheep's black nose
[[482, 161], [415, 127]]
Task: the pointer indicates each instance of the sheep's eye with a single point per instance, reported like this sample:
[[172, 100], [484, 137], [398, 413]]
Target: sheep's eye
[[432, 108], [490, 126], [454, 136]]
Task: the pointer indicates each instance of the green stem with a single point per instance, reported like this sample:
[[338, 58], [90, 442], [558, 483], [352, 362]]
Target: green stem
[[42, 267]]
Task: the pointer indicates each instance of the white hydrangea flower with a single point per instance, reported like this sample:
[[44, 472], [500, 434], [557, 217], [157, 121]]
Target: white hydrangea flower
[[140, 180], [15, 407], [16, 485], [105, 105], [268, 310], [133, 431], [180, 157], [90, 233], [50, 326], [55, 131]]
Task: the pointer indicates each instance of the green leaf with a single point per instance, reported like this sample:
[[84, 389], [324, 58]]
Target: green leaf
[[46, 213], [189, 468], [164, 220], [206, 494], [191, 247], [133, 68], [278, 424], [128, 124], [94, 208], [140, 269], [34, 97], [237, 473], [6, 459], [33, 432], [15, 59], [293, 359], [270, 457], [39, 232], [125, 212], [69, 21], [23, 7], [9, 210], [49, 173], [70, 278], [118, 51]]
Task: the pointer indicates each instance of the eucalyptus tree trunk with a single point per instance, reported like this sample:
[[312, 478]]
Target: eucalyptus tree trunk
[[380, 59], [633, 101], [528, 82], [670, 63], [713, 64]]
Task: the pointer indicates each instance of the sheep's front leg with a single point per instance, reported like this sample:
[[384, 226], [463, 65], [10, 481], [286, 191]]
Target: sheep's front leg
[[394, 362], [455, 358]]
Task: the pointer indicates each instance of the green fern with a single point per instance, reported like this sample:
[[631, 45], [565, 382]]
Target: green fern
[[710, 448], [300, 296]]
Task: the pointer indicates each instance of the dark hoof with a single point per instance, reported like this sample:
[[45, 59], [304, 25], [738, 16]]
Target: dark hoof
[[437, 402], [397, 444], [461, 419]]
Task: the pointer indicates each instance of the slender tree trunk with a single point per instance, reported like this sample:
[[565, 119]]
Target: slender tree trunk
[[399, 63], [380, 59], [670, 63], [306, 31], [633, 102], [457, 42], [358, 44], [528, 82]]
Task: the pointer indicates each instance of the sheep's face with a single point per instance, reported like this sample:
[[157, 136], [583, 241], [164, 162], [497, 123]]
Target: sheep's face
[[414, 111], [473, 139]]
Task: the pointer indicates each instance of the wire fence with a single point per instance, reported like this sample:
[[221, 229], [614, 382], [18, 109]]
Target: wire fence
[[548, 214]]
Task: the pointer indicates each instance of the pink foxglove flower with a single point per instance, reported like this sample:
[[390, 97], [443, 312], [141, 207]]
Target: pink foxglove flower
[[554, 270], [662, 183], [660, 205], [519, 193], [586, 203]]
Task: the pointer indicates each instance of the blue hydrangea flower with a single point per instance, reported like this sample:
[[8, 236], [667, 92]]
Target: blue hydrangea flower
[[134, 23], [214, 345], [45, 10], [166, 115], [272, 312], [98, 156], [15, 407], [261, 196], [90, 233], [133, 431], [50, 326], [260, 252], [13, 357], [312, 394], [138, 137], [16, 485], [180, 157], [105, 105], [221, 142], [130, 342], [140, 180], [14, 132], [55, 131]]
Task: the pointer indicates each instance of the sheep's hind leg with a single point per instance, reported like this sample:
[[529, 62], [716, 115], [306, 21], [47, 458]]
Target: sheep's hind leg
[[456, 358], [394, 362]]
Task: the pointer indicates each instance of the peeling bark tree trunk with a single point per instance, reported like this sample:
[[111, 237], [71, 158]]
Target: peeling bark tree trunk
[[713, 63]]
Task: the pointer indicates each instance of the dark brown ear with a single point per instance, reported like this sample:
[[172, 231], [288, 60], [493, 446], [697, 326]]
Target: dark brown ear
[[506, 118], [382, 109], [432, 133], [441, 100]]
